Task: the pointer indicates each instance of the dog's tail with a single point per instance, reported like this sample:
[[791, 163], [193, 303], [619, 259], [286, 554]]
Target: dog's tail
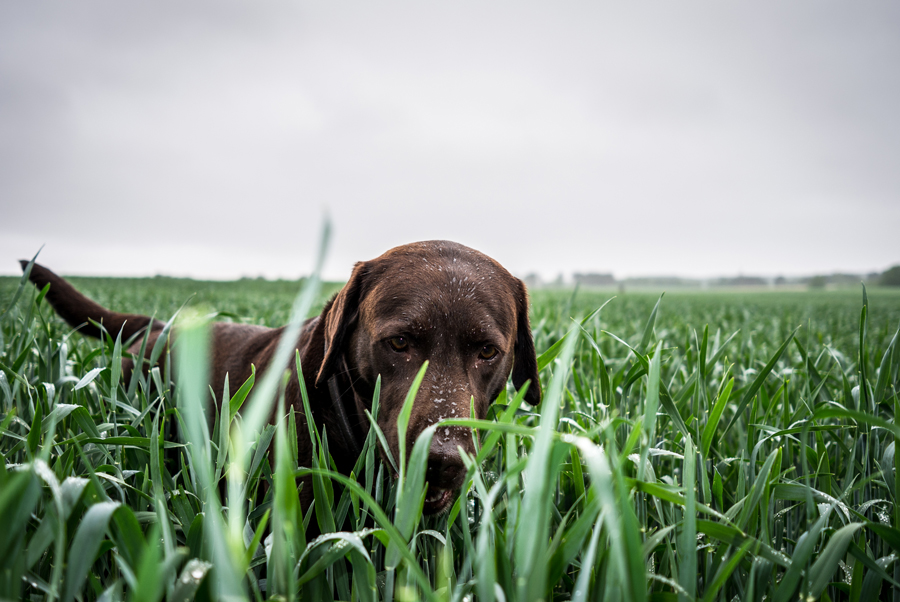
[[79, 311]]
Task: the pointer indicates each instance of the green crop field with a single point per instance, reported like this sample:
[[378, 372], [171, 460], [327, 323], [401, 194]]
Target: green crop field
[[705, 446]]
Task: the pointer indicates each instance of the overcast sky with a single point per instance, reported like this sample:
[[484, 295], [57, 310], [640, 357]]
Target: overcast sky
[[690, 138]]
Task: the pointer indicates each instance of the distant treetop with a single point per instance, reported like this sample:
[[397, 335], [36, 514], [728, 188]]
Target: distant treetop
[[891, 277]]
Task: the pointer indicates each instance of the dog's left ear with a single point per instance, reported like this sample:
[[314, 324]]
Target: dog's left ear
[[525, 364], [340, 316]]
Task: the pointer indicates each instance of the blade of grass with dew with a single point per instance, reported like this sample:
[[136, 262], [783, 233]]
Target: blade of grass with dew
[[192, 367], [803, 551], [403, 422], [237, 400], [733, 536], [826, 564], [756, 490], [409, 507], [339, 545], [85, 545], [651, 403], [687, 542], [725, 571], [531, 543], [263, 395], [159, 496], [712, 421], [580, 593], [618, 581], [189, 580], [49, 477], [485, 560], [222, 432], [324, 517], [284, 513], [862, 364]]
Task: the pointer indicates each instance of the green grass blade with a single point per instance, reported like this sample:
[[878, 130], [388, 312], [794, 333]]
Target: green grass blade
[[530, 543], [409, 506], [885, 368], [758, 381], [712, 421], [648, 329], [803, 551], [725, 571], [687, 541], [822, 571], [23, 282], [90, 534], [403, 421], [189, 580]]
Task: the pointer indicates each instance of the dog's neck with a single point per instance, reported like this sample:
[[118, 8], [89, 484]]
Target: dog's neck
[[348, 434], [345, 404]]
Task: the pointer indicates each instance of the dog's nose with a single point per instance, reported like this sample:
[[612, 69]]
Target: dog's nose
[[445, 471]]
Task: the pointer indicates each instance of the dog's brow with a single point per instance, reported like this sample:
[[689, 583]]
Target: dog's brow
[[396, 327], [483, 331]]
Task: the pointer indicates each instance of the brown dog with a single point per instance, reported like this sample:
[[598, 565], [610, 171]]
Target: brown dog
[[437, 301]]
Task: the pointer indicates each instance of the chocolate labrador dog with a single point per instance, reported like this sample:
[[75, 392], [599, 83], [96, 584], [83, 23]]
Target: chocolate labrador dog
[[437, 301]]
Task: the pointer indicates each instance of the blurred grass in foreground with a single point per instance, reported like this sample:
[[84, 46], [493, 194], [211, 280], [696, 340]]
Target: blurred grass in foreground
[[753, 400]]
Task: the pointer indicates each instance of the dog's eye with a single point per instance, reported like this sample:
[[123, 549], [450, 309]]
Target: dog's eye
[[398, 343], [487, 352]]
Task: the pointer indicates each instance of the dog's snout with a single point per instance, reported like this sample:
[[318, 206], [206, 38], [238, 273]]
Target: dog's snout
[[445, 471], [445, 466]]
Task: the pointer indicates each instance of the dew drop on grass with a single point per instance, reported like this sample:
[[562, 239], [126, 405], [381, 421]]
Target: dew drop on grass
[[848, 572]]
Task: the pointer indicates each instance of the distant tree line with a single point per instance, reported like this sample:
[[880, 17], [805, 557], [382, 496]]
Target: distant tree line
[[890, 277]]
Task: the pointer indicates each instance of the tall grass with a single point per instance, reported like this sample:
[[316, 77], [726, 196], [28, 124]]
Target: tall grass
[[711, 447]]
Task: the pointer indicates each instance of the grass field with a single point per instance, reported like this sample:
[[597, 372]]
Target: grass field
[[714, 446]]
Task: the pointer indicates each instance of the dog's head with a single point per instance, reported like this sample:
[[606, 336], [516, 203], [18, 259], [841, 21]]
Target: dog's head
[[445, 303]]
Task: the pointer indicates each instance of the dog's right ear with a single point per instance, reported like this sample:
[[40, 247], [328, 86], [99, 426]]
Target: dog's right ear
[[525, 366], [340, 317]]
